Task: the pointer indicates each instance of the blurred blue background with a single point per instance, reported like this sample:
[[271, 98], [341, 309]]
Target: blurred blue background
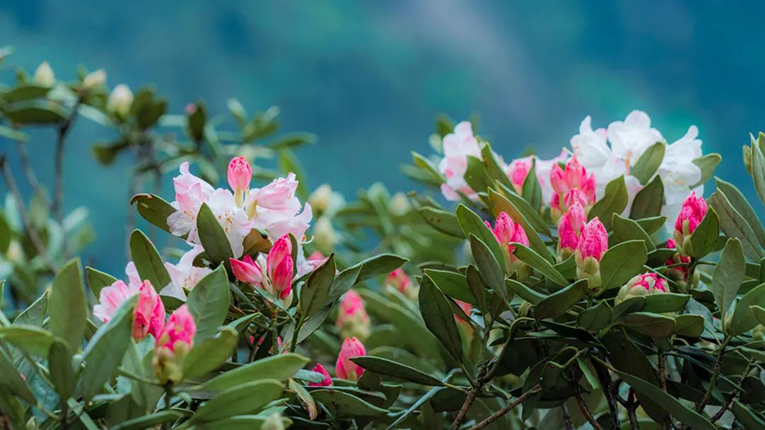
[[369, 77]]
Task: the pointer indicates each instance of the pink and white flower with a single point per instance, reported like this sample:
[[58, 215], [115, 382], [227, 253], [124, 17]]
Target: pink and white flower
[[190, 192], [345, 368], [457, 147], [149, 313], [179, 332], [518, 169], [571, 186], [279, 270], [275, 208], [184, 275], [110, 298]]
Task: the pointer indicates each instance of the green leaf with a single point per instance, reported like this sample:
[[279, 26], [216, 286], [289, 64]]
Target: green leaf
[[97, 280], [689, 325], [439, 318], [278, 367], [315, 292], [747, 417], [621, 262], [665, 302], [386, 367], [309, 404], [525, 292], [652, 224], [476, 175], [452, 284], [31, 339], [427, 166], [560, 302], [626, 229], [342, 404], [213, 238], [649, 200], [743, 318], [759, 313], [471, 223], [153, 209], [531, 191], [595, 318], [106, 349], [650, 324], [476, 286], [150, 421], [515, 206], [728, 275], [670, 404], [495, 172], [741, 204], [11, 379], [733, 224], [530, 257], [36, 112], [147, 261], [60, 369], [441, 220], [210, 354], [649, 162], [242, 399], [704, 238], [67, 306], [758, 172], [707, 165], [208, 302], [26, 91], [379, 265], [614, 201], [488, 266]]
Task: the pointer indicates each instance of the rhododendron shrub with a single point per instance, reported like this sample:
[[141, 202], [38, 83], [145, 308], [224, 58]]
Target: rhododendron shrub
[[597, 289]]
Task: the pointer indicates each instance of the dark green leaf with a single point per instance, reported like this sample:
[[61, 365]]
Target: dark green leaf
[[36, 112], [614, 201], [386, 367], [707, 165], [476, 175], [595, 318], [342, 404], [97, 280], [650, 324], [530, 257], [315, 292], [453, 284], [689, 325], [471, 223], [379, 265], [441, 220], [525, 292], [649, 162], [241, 399], [210, 354], [32, 339], [648, 201], [728, 275], [743, 318], [531, 191], [733, 224], [147, 261], [208, 303], [560, 302], [67, 304], [439, 318], [212, 236], [60, 369], [626, 229], [153, 209], [488, 266], [747, 417], [623, 261], [704, 238], [502, 204], [278, 367], [150, 421], [666, 302], [741, 204]]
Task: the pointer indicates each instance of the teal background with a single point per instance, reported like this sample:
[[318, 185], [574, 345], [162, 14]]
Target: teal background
[[369, 77]]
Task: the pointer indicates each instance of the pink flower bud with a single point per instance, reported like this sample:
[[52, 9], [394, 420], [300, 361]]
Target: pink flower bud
[[179, 330], [558, 179], [693, 211], [506, 231], [681, 272], [569, 229], [642, 285], [352, 317], [282, 249], [399, 280], [519, 169], [246, 270], [593, 243], [281, 278], [345, 368], [571, 185], [465, 306], [327, 379], [239, 174], [149, 313]]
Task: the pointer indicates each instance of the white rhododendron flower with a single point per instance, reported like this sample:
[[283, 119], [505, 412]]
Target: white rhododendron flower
[[184, 275], [628, 140], [273, 208], [457, 147]]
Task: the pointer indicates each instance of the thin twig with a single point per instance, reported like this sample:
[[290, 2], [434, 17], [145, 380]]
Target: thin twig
[[567, 424], [715, 374], [608, 389], [25, 219], [586, 411], [58, 196], [27, 165], [734, 393], [497, 415], [631, 408]]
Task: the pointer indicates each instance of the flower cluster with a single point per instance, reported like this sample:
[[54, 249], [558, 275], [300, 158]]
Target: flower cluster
[[276, 279], [507, 232], [274, 208]]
